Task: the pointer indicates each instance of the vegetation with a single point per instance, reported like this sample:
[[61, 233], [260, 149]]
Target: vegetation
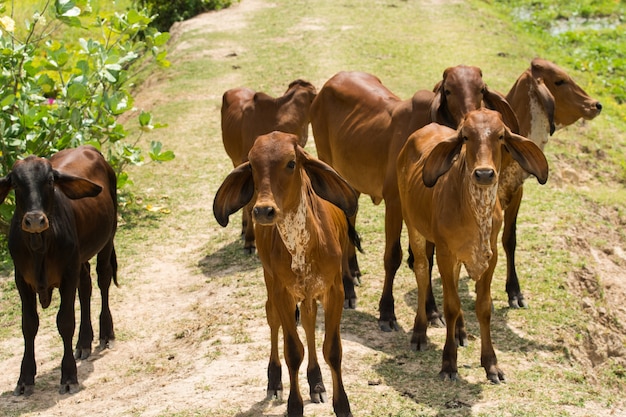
[[191, 308], [56, 94], [167, 12]]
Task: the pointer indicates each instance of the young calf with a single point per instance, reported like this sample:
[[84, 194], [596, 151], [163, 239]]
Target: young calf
[[300, 209], [247, 114], [65, 214], [448, 182]]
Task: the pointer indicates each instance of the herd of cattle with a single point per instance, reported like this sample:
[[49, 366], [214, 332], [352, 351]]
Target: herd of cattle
[[449, 163]]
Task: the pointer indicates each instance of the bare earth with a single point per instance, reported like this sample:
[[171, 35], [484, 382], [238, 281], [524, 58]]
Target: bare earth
[[187, 346]]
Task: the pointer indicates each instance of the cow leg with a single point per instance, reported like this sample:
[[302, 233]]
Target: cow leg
[[85, 332], [274, 370], [293, 349], [435, 318], [509, 242], [333, 350], [106, 269], [450, 269], [483, 313], [30, 326], [393, 258], [348, 284], [66, 323], [317, 390], [247, 225], [419, 339]]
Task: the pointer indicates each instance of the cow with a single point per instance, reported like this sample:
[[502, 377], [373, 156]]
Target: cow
[[360, 126], [545, 98], [65, 214], [247, 114], [300, 212], [448, 182]]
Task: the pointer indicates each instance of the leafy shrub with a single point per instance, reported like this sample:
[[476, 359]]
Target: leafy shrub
[[55, 95], [170, 11]]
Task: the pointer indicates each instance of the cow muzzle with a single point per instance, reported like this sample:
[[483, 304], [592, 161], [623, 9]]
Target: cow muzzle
[[264, 214], [485, 176], [35, 222]]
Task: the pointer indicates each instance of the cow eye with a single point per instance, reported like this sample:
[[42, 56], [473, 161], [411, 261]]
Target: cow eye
[[291, 164], [465, 139], [560, 82]]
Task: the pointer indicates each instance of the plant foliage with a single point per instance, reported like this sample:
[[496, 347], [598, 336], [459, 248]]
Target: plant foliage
[[56, 95], [170, 11]]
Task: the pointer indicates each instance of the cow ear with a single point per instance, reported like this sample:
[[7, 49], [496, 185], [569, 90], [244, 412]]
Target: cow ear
[[547, 101], [235, 192], [438, 108], [328, 184], [441, 158], [5, 187], [496, 101], [528, 155], [75, 187]]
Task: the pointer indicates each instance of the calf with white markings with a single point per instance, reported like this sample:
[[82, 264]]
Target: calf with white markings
[[65, 213], [300, 209], [448, 182]]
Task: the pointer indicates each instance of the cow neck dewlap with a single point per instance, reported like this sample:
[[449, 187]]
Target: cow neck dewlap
[[539, 122], [482, 201], [513, 176], [295, 236]]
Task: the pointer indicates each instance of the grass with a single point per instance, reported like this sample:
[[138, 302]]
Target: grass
[[407, 45]]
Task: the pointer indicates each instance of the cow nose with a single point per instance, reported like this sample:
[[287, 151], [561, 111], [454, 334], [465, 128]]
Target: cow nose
[[264, 214], [35, 222], [599, 106], [484, 176]]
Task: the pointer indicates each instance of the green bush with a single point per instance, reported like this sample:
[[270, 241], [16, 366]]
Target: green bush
[[56, 95], [170, 11]]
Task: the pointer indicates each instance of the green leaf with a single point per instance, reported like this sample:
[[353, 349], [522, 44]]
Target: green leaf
[[76, 91], [145, 118]]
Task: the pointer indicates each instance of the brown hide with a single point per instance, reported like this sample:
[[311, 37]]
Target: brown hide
[[545, 98], [247, 114], [300, 206], [360, 126], [65, 213], [448, 190]]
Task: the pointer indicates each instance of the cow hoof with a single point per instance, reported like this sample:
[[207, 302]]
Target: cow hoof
[[82, 354], [388, 326], [437, 321], [448, 376], [23, 389], [418, 347], [356, 280], [274, 394], [250, 250], [496, 377], [106, 344], [349, 304], [517, 302], [319, 397], [68, 388]]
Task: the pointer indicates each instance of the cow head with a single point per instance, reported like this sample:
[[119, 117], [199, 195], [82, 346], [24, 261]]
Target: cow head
[[35, 181], [277, 172], [571, 102], [484, 136], [462, 90]]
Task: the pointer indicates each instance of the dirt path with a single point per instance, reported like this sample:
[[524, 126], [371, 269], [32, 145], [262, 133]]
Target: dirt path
[[192, 337]]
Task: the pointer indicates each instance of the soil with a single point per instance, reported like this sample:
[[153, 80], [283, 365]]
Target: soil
[[180, 349]]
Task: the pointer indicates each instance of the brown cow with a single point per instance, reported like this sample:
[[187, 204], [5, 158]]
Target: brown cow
[[360, 126], [300, 209], [448, 190], [65, 214], [247, 114], [544, 98]]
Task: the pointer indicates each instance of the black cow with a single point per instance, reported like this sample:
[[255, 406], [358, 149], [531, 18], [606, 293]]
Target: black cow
[[65, 213]]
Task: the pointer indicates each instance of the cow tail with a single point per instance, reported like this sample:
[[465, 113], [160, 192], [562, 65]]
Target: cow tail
[[354, 237], [114, 266]]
